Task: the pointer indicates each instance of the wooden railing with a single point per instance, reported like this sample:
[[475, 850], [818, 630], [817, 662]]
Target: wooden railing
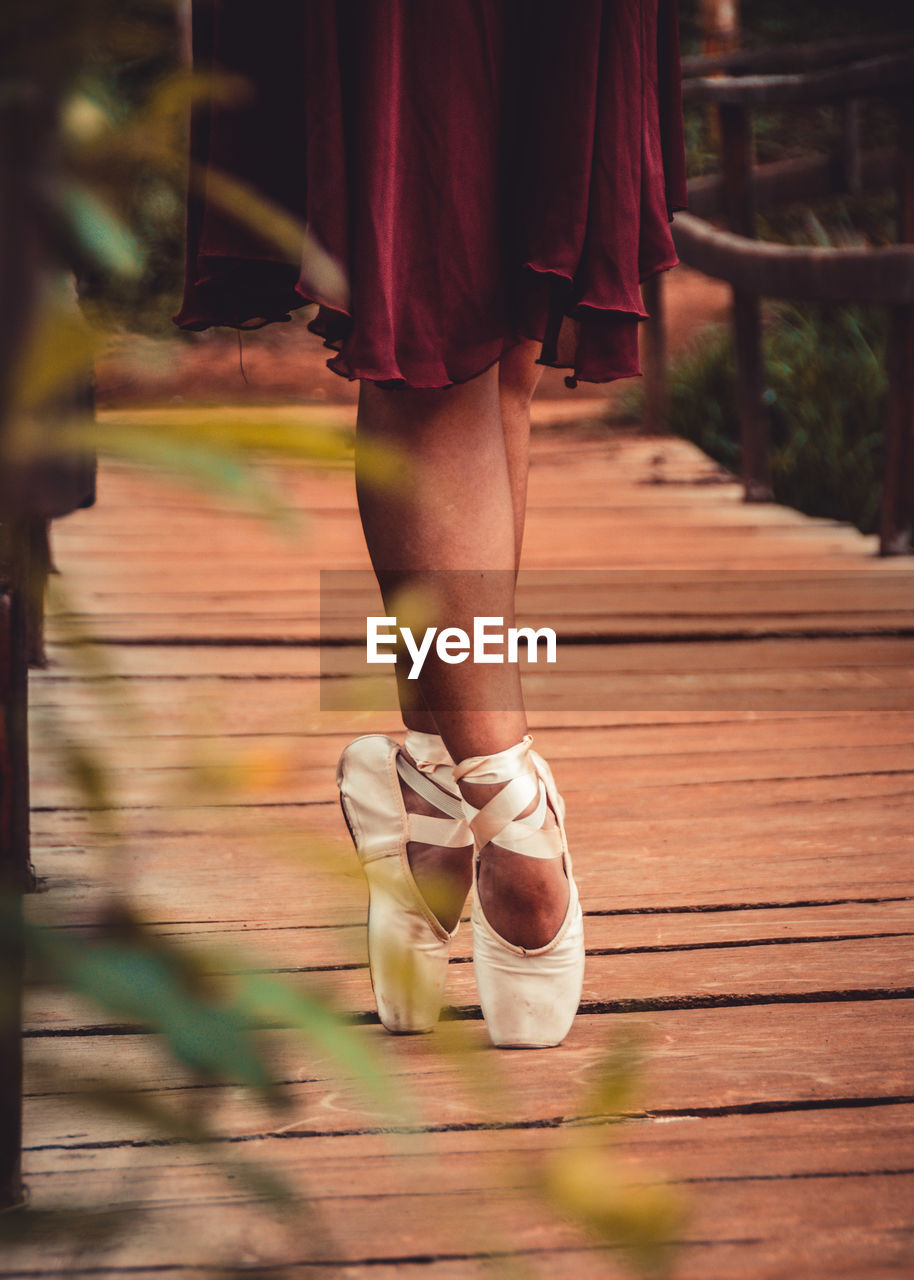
[[734, 86], [33, 490], [14, 839], [24, 566]]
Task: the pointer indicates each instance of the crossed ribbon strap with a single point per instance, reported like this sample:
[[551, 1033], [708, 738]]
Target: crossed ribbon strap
[[451, 832], [499, 821]]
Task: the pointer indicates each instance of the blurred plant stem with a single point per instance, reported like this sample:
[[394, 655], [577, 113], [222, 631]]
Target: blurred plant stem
[[90, 178]]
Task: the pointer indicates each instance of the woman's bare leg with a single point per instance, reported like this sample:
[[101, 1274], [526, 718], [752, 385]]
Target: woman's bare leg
[[456, 510], [518, 376]]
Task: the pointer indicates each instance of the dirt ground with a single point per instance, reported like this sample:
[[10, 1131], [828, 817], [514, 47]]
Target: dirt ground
[[284, 362]]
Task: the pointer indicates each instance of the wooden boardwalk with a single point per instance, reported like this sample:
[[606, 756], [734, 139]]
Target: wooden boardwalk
[[745, 863]]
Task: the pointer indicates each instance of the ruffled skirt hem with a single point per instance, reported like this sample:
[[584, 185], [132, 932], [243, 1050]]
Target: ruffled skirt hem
[[598, 343], [482, 172]]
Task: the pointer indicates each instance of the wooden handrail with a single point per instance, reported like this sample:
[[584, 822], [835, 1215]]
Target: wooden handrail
[[884, 276], [797, 180], [14, 843], [782, 59], [858, 79], [881, 276]]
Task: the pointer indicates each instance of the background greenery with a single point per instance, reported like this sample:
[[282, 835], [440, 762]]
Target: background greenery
[[825, 367], [826, 391], [826, 401]]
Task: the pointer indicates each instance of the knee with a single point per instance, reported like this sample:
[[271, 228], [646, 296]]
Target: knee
[[414, 413]]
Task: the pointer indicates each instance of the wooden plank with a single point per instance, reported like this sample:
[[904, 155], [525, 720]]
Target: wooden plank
[[313, 946], [722, 855], [594, 798], [783, 1173], [762, 675], [800, 1153], [597, 602], [173, 862], [608, 636], [300, 770], [248, 780], [792, 1057], [851, 1216], [751, 974], [604, 594], [612, 467], [701, 516], [775, 1145], [746, 1147], [600, 733], [755, 745]]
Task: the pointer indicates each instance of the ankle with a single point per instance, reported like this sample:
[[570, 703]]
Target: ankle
[[442, 873], [481, 778], [444, 878], [477, 795]]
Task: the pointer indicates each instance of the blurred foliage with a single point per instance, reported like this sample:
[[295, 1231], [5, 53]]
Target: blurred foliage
[[97, 85], [767, 22], [121, 92], [785, 134], [826, 385], [837, 222], [116, 202], [589, 1182], [112, 193], [825, 394], [206, 1013]]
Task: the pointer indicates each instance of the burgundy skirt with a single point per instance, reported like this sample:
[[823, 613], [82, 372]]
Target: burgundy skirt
[[482, 170]]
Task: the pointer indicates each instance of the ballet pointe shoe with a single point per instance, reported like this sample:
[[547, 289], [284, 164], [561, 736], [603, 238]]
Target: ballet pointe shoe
[[408, 947], [529, 997]]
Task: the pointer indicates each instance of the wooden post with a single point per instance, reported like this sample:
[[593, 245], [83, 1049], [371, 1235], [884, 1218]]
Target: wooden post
[[720, 32], [896, 533], [39, 550], [737, 155], [24, 127], [654, 359], [14, 846], [720, 25]]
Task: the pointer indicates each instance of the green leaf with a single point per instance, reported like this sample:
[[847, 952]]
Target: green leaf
[[210, 468], [137, 978], [617, 1077], [102, 234], [58, 356], [263, 996], [643, 1220], [291, 237], [135, 975]]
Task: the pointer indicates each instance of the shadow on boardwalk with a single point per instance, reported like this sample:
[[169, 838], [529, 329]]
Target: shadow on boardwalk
[[745, 868]]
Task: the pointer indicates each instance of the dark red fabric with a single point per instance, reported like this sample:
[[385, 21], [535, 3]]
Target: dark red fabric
[[483, 171]]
